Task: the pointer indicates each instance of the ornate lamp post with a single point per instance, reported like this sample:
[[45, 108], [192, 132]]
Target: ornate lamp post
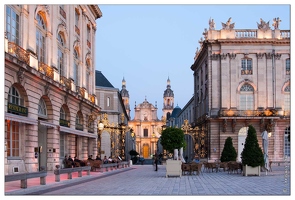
[[100, 127]]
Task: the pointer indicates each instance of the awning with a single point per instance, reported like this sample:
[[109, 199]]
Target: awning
[[19, 118], [77, 132], [48, 124]]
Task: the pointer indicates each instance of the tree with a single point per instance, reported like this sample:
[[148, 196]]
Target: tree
[[252, 154], [229, 152], [172, 138]]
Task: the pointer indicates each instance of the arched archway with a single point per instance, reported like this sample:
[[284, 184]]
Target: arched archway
[[105, 144], [241, 140]]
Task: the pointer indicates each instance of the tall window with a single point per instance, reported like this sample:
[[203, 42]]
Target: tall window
[[77, 30], [246, 97], [62, 145], [12, 138], [14, 97], [79, 121], [62, 114], [40, 39], [287, 100], [108, 102], [76, 62], [145, 132], [287, 142], [60, 54], [12, 25], [88, 75], [246, 66], [42, 110], [288, 66]]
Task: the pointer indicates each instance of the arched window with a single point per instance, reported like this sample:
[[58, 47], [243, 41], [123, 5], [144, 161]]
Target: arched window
[[79, 121], [60, 54], [108, 102], [42, 110], [40, 38], [88, 74], [62, 114], [247, 97], [14, 97], [76, 64]]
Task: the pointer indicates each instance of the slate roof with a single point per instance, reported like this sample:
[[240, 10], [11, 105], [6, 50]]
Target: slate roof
[[101, 80]]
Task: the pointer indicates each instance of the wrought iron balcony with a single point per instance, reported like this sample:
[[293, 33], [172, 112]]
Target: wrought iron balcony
[[66, 82], [252, 113], [91, 98], [19, 52], [47, 70], [80, 91]]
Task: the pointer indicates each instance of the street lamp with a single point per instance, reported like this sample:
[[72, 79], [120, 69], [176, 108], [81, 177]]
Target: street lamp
[[132, 136], [100, 127]]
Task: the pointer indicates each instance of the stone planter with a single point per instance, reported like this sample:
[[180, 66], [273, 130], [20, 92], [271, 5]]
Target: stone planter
[[173, 168], [248, 170]]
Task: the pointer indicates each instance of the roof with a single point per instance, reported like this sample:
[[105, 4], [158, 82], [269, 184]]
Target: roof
[[175, 111], [101, 80]]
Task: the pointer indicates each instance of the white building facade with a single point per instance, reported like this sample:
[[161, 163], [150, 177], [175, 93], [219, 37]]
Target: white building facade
[[50, 102], [242, 77]]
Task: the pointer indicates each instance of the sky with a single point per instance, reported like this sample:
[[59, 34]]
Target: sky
[[148, 43]]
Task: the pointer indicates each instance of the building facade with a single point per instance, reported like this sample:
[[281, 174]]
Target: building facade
[[242, 77], [50, 102], [114, 139]]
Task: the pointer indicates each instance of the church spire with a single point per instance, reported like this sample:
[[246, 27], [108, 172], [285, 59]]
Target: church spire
[[125, 97]]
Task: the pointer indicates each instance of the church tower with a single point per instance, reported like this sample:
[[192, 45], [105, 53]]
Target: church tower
[[125, 97], [168, 101]]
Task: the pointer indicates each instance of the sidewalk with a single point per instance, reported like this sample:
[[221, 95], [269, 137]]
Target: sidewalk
[[33, 184]]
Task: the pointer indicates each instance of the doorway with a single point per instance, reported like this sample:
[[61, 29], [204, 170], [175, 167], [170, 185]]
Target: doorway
[[42, 147], [241, 141]]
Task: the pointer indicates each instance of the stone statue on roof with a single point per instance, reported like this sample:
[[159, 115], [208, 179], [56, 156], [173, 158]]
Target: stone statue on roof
[[263, 25], [276, 22], [211, 24], [228, 25]]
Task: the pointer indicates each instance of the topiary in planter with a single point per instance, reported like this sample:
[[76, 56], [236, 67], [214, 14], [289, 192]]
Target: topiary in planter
[[229, 152], [252, 154], [172, 138]]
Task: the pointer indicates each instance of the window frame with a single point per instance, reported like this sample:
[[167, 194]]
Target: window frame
[[12, 16]]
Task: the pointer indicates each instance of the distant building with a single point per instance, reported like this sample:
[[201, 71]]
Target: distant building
[[146, 125], [50, 102], [242, 77], [114, 139]]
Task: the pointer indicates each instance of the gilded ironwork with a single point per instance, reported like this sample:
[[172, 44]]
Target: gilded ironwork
[[47, 70], [199, 136], [19, 52], [66, 82]]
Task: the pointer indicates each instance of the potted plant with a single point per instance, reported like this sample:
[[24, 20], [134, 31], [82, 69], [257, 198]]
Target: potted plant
[[252, 156], [229, 152], [172, 138]]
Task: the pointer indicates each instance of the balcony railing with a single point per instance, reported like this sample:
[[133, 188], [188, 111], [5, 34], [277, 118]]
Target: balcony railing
[[19, 52], [79, 127], [91, 98], [66, 82], [285, 34], [63, 122], [246, 33], [80, 91], [47, 70], [246, 72], [252, 113]]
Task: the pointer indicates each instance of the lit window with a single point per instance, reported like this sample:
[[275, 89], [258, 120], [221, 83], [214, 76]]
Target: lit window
[[12, 130], [247, 97]]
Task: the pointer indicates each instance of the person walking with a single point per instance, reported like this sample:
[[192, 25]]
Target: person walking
[[156, 161]]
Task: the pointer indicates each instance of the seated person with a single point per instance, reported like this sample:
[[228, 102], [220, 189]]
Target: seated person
[[71, 161], [79, 161], [98, 158], [110, 159], [89, 158], [196, 160], [105, 160]]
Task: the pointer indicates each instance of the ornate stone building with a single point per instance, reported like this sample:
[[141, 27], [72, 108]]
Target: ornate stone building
[[146, 125], [114, 140], [50, 102], [242, 77]]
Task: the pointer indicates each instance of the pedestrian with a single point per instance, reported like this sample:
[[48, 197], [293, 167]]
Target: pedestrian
[[156, 161], [98, 158], [71, 161], [105, 160]]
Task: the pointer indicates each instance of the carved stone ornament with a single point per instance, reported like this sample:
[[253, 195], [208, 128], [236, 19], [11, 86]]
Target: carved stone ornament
[[20, 75], [259, 55], [46, 89], [232, 55], [228, 25], [214, 56], [263, 25], [223, 56], [268, 55], [211, 24], [276, 22], [277, 56]]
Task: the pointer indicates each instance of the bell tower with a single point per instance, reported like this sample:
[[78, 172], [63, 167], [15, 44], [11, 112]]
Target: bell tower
[[168, 101], [125, 97]]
